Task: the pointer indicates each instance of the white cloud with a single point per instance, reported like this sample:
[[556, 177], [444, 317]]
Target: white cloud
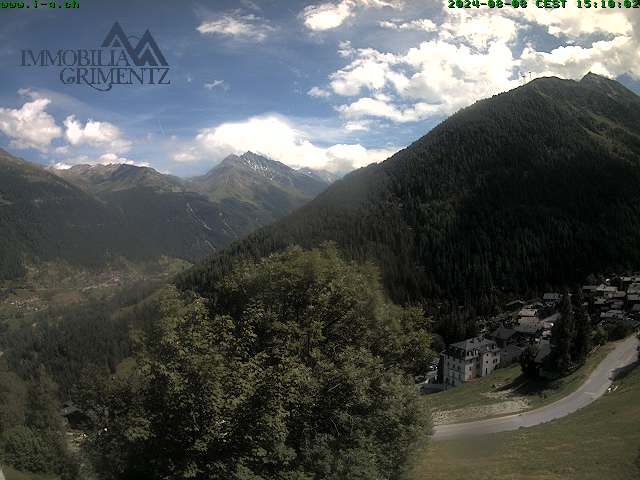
[[105, 159], [112, 158], [477, 29], [370, 70], [96, 134], [30, 126], [357, 126], [348, 157], [187, 156], [236, 25], [607, 57], [274, 136], [318, 92], [475, 54], [345, 50], [372, 107], [573, 22], [419, 24], [327, 16], [215, 84]]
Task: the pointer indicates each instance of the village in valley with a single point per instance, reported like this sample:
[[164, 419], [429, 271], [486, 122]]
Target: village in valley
[[612, 304]]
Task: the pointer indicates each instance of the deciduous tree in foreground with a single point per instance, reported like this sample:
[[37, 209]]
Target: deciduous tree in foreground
[[299, 370]]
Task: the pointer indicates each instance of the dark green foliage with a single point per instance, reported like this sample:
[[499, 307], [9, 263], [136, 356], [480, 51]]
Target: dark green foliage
[[600, 337], [582, 342], [297, 370], [619, 330], [67, 343], [35, 440], [528, 363], [534, 186], [563, 334]]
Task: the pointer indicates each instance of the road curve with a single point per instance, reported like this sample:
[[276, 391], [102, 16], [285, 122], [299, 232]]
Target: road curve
[[624, 353]]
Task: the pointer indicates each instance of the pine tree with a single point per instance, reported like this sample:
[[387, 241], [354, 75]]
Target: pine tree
[[582, 342], [562, 335]]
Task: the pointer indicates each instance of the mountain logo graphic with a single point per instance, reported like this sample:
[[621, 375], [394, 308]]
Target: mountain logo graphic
[[145, 52]]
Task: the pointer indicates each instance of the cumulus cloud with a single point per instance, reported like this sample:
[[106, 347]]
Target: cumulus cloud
[[478, 29], [419, 24], [357, 126], [276, 137], [370, 70], [30, 126], [372, 107], [572, 22], [435, 78], [611, 58], [470, 55], [187, 156], [96, 134], [237, 25], [318, 92], [327, 16]]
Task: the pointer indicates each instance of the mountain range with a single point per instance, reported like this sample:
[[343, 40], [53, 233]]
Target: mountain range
[[533, 187], [88, 214]]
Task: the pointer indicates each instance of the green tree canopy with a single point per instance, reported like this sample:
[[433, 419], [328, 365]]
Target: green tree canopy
[[297, 370]]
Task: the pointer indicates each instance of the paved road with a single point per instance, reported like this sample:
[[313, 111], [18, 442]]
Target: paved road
[[596, 385]]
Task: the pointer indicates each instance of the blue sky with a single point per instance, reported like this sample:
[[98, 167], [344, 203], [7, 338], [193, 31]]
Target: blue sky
[[334, 85]]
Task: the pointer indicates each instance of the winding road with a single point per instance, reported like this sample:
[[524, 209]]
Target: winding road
[[624, 353]]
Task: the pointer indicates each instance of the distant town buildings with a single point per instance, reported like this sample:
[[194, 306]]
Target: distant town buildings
[[506, 335]]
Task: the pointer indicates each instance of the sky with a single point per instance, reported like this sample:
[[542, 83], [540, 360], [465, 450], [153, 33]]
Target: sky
[[330, 85]]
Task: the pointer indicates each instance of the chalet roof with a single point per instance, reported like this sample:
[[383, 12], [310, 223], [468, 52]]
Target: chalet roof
[[528, 328], [606, 288], [528, 312], [503, 333], [512, 350], [470, 345], [551, 296]]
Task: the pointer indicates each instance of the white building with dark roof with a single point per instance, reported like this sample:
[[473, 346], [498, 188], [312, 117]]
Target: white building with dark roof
[[469, 359]]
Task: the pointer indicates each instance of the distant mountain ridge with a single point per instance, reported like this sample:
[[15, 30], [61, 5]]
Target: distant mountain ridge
[[267, 185], [88, 214], [535, 186]]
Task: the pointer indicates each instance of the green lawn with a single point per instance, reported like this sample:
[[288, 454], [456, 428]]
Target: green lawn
[[601, 441], [507, 384]]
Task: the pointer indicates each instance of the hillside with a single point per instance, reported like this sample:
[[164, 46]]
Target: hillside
[[599, 441], [535, 186], [90, 214], [44, 217]]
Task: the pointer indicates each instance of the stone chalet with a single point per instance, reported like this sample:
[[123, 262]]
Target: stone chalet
[[469, 359]]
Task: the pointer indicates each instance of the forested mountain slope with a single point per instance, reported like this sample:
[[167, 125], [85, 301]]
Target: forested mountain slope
[[537, 185]]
